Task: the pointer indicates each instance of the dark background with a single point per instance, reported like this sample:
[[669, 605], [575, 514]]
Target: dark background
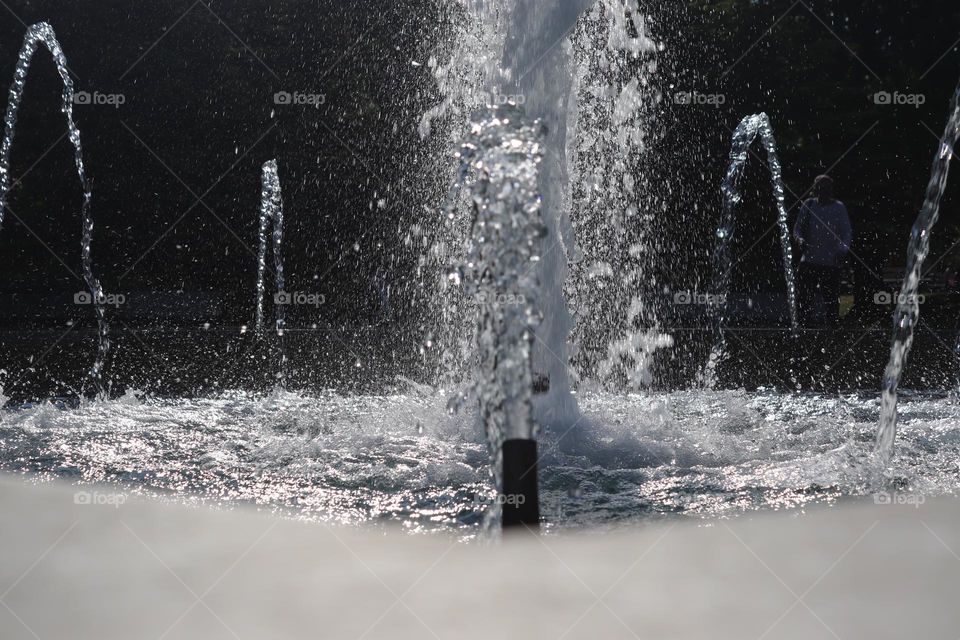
[[814, 68], [176, 174], [199, 119], [176, 168]]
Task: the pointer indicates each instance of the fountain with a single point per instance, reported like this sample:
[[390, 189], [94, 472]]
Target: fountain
[[551, 228], [271, 213], [749, 129], [908, 306], [573, 97], [521, 50], [42, 33]]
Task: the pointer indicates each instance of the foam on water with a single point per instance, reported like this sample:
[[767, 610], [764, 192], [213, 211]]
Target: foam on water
[[403, 459]]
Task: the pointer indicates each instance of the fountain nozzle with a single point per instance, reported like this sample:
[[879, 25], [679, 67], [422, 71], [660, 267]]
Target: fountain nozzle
[[520, 497]]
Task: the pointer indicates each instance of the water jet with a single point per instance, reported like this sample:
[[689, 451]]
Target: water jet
[[908, 306], [271, 217], [43, 33], [500, 162], [746, 133]]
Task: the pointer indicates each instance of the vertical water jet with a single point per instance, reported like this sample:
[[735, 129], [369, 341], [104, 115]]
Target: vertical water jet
[[500, 165], [523, 51], [271, 218]]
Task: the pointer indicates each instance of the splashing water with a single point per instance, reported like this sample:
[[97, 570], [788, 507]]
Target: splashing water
[[500, 165], [466, 80], [908, 305], [403, 459], [612, 115], [536, 68], [42, 33], [632, 356], [749, 129]]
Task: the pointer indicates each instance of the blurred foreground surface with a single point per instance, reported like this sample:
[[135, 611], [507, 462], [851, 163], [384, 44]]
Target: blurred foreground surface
[[121, 568]]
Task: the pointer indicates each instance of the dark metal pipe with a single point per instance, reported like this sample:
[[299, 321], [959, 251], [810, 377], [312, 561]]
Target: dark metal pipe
[[520, 500]]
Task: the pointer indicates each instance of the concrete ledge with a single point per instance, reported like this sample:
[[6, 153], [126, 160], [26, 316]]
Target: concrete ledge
[[146, 570]]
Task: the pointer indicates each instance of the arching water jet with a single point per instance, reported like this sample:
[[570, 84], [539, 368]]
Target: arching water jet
[[43, 33], [746, 133]]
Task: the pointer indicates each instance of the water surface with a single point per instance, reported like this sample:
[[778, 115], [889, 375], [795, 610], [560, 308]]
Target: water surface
[[402, 459]]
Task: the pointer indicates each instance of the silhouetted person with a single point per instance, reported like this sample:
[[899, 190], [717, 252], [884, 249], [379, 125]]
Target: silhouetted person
[[824, 235]]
